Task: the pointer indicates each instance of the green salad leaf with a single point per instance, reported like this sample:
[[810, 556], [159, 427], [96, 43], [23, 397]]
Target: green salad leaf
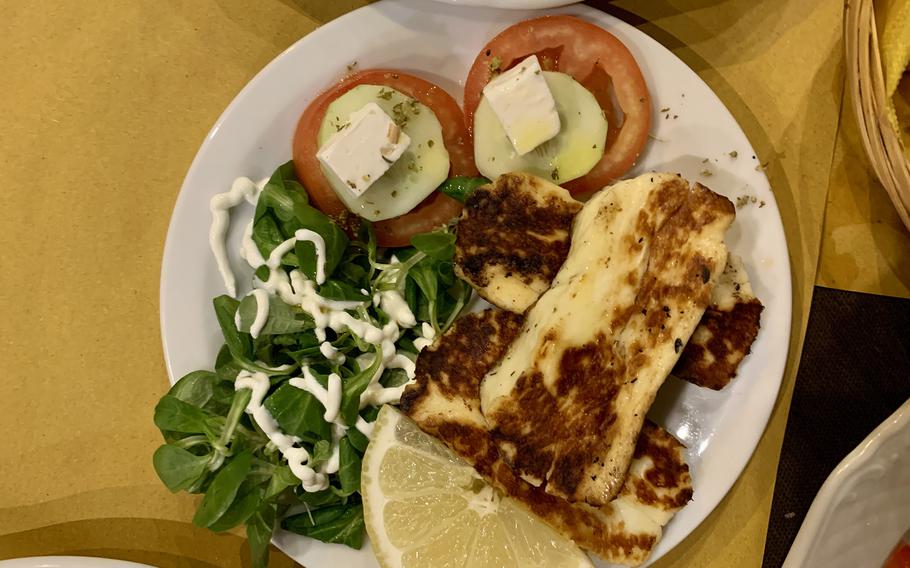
[[319, 499], [322, 452], [178, 468], [342, 524], [175, 415], [461, 187], [356, 438], [246, 503], [298, 413], [349, 470], [282, 478], [239, 344], [354, 386], [215, 446], [440, 246], [283, 319], [223, 490], [281, 211], [343, 291], [259, 529], [196, 388]]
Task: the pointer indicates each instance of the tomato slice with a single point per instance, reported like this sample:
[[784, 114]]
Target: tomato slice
[[592, 56], [437, 209]]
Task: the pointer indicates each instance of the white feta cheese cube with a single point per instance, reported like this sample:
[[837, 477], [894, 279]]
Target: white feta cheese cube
[[524, 105], [364, 148]]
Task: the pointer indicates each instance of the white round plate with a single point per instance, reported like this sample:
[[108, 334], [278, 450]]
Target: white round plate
[[511, 4], [68, 562], [863, 507], [694, 137]]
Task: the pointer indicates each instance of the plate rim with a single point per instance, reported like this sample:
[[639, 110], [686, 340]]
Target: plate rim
[[505, 4], [581, 10], [69, 561], [827, 497]]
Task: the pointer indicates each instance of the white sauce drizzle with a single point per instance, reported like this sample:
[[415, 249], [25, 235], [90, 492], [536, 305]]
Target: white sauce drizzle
[[394, 305], [278, 282], [249, 251], [262, 312], [329, 397], [297, 457], [334, 462], [364, 427], [427, 335], [309, 479], [279, 368], [319, 245], [333, 399], [279, 251], [401, 361], [331, 313], [220, 206], [296, 289], [375, 394], [331, 353]]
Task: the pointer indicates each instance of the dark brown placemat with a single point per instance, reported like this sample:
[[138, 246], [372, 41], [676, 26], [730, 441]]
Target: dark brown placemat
[[854, 372]]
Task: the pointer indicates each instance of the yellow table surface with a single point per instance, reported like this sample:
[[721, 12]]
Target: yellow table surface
[[106, 103]]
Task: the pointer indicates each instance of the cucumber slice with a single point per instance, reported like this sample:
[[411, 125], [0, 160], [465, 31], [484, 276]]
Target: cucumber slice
[[568, 155], [419, 171]]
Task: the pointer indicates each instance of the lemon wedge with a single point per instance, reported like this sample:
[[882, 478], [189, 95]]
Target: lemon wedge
[[425, 507]]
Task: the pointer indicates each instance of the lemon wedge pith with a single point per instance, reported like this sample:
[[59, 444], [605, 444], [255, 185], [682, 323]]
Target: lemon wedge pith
[[425, 507]]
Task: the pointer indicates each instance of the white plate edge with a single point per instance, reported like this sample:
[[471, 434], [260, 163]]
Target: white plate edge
[[820, 511], [68, 562]]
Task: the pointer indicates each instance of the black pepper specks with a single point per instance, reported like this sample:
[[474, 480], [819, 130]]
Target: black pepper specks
[[677, 345], [705, 274]]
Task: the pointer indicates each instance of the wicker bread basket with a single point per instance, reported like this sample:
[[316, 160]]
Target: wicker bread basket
[[867, 88]]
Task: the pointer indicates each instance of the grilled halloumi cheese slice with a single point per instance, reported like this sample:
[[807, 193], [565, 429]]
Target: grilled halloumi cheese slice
[[725, 334], [512, 238], [445, 402], [710, 359], [568, 400]]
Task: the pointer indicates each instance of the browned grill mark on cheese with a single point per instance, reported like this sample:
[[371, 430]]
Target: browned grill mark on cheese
[[471, 347], [452, 369], [710, 363], [594, 398], [513, 228], [474, 345], [554, 432], [581, 523], [718, 346], [666, 482]]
